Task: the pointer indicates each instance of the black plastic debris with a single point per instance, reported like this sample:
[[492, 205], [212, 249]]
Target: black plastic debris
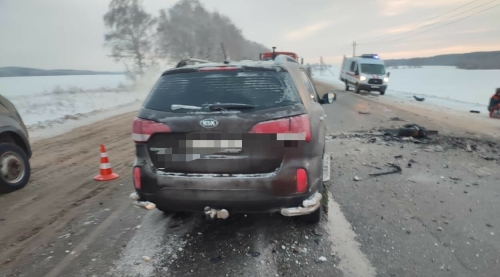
[[396, 119], [254, 254], [419, 99], [413, 130], [473, 111], [397, 169]]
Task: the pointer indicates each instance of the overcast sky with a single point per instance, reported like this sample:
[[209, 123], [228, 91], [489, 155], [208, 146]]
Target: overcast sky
[[69, 33]]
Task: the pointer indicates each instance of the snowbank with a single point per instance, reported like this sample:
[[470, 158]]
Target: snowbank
[[440, 85]]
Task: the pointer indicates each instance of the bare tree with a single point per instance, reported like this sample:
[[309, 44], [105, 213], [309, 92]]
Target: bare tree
[[131, 35], [189, 30]]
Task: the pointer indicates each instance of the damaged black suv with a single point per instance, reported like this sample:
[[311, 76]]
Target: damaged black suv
[[238, 137]]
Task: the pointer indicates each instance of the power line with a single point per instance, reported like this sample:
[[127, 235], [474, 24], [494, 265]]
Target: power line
[[470, 3], [460, 19], [395, 35]]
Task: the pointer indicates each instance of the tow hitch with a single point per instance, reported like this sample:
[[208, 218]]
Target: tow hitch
[[212, 213], [142, 204]]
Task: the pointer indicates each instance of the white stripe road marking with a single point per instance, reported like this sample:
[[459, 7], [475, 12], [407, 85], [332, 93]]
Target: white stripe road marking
[[105, 166], [353, 262]]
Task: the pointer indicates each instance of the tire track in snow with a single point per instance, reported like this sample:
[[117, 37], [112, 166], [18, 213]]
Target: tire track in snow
[[353, 262]]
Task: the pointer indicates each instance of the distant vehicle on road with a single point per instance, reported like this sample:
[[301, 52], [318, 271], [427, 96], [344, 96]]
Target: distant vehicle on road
[[366, 72], [235, 137], [15, 150]]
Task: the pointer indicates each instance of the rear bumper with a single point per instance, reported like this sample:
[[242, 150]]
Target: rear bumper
[[238, 194], [368, 87], [235, 201]]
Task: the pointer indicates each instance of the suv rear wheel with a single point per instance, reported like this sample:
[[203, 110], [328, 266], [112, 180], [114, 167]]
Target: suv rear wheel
[[346, 86], [14, 168]]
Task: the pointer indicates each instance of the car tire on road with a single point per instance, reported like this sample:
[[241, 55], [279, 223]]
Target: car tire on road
[[15, 168], [382, 92], [356, 89], [346, 86]]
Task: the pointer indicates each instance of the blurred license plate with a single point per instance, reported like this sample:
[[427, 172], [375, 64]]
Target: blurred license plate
[[375, 86], [214, 144]]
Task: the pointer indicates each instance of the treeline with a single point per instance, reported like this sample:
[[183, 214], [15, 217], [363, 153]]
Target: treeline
[[141, 40], [476, 60]]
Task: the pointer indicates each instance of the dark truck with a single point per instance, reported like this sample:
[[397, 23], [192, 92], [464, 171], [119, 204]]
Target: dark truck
[[232, 137], [15, 150]]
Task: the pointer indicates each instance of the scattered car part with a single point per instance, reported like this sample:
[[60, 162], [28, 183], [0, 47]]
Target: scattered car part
[[397, 169], [419, 99]]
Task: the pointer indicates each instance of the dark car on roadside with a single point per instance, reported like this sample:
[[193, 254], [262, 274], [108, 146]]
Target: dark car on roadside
[[238, 137], [15, 150]]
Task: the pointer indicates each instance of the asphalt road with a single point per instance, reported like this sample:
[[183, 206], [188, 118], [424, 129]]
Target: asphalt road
[[438, 217]]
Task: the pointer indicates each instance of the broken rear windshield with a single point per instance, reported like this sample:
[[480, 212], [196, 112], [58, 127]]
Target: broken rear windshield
[[261, 89]]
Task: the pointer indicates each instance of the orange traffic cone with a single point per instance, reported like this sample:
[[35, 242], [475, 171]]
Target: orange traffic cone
[[106, 173]]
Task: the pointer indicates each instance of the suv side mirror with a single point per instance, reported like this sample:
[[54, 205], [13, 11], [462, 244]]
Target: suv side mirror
[[329, 98]]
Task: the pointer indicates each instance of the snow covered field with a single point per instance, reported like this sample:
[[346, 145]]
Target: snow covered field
[[441, 85], [51, 100]]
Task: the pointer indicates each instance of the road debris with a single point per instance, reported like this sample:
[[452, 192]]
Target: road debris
[[396, 119], [322, 259], [419, 99], [468, 147], [356, 178], [146, 259], [473, 111], [455, 179], [254, 254], [361, 112], [397, 169]]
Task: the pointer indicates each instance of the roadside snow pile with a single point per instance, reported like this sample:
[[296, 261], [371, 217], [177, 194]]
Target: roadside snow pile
[[62, 104]]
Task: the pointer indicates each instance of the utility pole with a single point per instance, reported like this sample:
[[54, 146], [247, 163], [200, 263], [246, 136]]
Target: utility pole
[[321, 65], [354, 48]]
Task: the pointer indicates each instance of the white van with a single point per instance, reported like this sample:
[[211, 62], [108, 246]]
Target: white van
[[366, 72]]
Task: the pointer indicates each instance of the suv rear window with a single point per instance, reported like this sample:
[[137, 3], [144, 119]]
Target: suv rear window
[[261, 89]]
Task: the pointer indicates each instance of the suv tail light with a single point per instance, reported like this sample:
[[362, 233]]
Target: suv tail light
[[290, 125], [143, 129]]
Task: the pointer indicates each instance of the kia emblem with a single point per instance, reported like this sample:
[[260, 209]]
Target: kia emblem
[[209, 123]]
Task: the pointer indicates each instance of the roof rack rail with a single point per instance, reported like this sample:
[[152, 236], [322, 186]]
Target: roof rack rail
[[185, 62]]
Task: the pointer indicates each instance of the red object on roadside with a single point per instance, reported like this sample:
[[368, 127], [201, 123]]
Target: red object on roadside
[[106, 173]]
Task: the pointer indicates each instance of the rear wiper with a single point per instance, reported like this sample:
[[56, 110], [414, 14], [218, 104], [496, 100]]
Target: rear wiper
[[230, 106], [185, 107]]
